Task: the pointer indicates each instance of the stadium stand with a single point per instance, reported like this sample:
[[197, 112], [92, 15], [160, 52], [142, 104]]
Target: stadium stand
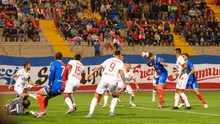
[[142, 25]]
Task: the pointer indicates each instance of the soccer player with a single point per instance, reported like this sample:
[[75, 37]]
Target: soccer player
[[182, 79], [23, 76], [154, 91], [57, 81], [113, 67], [76, 73], [120, 86], [159, 66], [129, 76], [192, 82]]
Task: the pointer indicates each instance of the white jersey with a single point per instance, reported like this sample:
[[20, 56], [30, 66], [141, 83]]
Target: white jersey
[[111, 70], [22, 78], [76, 70], [179, 62], [129, 76]]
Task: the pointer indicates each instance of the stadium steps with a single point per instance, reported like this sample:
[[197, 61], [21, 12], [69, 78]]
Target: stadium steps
[[180, 42], [52, 34]]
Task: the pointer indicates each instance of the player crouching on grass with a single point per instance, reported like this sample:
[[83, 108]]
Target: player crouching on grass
[[76, 75], [192, 82], [159, 66]]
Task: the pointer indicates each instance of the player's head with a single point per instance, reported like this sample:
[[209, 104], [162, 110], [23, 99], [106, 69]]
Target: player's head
[[122, 57], [128, 66], [148, 55], [27, 65], [177, 51], [26, 103], [59, 56], [185, 56], [117, 54], [77, 57]]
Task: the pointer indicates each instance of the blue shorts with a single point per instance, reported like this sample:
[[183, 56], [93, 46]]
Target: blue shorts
[[161, 79], [192, 83], [54, 90]]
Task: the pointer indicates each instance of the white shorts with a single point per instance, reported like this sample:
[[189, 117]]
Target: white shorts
[[103, 86], [19, 90], [128, 89], [182, 81], [71, 86]]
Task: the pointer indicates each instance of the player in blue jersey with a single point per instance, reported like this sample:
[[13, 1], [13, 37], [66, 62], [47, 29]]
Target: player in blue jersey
[[192, 82], [56, 85], [159, 66]]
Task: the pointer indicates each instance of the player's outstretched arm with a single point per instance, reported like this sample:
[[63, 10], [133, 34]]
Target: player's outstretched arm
[[97, 68], [135, 81], [12, 78], [162, 62], [31, 82]]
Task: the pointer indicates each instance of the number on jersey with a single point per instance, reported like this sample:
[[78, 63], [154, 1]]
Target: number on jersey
[[78, 70], [112, 66]]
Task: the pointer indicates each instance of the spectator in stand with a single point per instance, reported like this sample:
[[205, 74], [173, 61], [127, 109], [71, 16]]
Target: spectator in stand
[[164, 38], [36, 36], [130, 38], [170, 41], [2, 23], [77, 40], [30, 33], [172, 18], [116, 43], [107, 42], [97, 48], [142, 38], [157, 38], [14, 34], [84, 4], [89, 39], [22, 34], [6, 33], [94, 38], [40, 13]]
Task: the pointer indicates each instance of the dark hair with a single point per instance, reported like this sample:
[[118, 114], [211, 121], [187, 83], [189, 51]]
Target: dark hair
[[186, 54], [26, 103], [117, 52], [58, 56], [127, 63], [26, 64], [77, 57], [178, 50]]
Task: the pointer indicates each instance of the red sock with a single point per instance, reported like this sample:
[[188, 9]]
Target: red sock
[[40, 101], [160, 95], [46, 101], [119, 94], [201, 98], [182, 101]]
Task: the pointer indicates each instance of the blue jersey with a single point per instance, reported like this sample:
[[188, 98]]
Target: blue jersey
[[189, 69], [158, 67], [57, 78]]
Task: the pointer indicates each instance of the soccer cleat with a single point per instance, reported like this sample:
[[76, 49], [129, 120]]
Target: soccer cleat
[[132, 104], [111, 114], [181, 105], [205, 106], [175, 107], [153, 99], [119, 100], [35, 114], [74, 108], [33, 96], [70, 111], [88, 116], [104, 106], [41, 114], [187, 108]]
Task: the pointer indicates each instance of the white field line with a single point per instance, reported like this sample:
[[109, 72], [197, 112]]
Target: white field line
[[187, 111]]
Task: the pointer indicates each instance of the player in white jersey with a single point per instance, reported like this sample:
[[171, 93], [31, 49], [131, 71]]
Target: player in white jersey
[[75, 76], [120, 86], [23, 76], [182, 79], [113, 67]]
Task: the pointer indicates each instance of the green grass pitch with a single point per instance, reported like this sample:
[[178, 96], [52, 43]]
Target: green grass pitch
[[146, 111]]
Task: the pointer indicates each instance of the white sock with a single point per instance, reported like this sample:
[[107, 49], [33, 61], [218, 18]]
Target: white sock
[[105, 100], [153, 95], [93, 105], [184, 97], [113, 104], [176, 99], [69, 102], [73, 100]]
